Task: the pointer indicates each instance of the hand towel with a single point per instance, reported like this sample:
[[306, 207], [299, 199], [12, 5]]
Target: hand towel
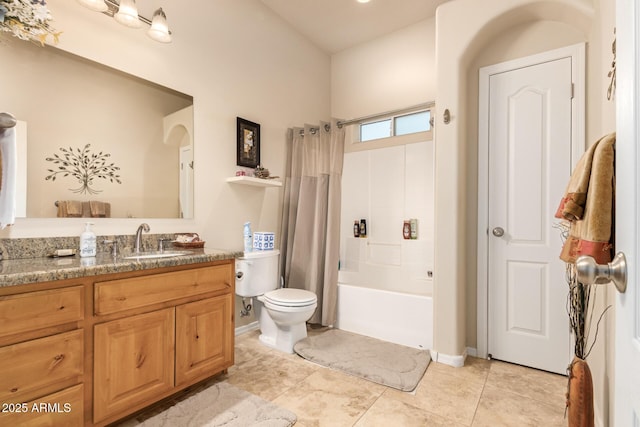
[[98, 209], [8, 172], [69, 208], [74, 208], [589, 204]]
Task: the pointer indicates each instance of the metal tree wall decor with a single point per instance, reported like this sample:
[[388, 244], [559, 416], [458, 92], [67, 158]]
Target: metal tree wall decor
[[84, 166]]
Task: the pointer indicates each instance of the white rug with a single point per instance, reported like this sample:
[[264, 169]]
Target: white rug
[[382, 362], [221, 404]]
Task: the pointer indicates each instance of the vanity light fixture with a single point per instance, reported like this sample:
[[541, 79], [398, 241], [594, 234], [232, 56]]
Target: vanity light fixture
[[126, 13]]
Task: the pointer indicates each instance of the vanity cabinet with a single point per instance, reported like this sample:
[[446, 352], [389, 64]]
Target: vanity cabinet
[[89, 351], [42, 357], [161, 333]]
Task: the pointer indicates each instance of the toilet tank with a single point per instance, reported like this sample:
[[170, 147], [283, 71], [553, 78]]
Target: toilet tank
[[257, 273]]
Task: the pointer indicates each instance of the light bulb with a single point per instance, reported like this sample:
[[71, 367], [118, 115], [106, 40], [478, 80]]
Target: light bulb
[[128, 14], [159, 30], [95, 5]]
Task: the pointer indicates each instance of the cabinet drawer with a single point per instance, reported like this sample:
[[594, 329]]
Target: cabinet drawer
[[35, 368], [61, 409], [38, 310], [125, 294]]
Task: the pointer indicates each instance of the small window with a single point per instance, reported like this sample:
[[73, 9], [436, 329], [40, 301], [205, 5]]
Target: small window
[[396, 125], [375, 130], [412, 123]]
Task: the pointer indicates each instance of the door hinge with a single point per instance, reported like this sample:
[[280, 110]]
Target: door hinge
[[573, 88]]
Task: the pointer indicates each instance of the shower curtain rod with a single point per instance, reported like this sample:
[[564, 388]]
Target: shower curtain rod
[[375, 116]]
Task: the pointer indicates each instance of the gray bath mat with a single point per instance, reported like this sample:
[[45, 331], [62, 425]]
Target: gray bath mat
[[220, 404], [382, 362]]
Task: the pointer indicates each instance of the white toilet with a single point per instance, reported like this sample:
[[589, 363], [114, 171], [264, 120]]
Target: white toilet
[[281, 313]]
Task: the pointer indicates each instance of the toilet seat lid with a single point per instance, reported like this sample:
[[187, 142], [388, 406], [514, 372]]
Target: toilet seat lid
[[291, 297]]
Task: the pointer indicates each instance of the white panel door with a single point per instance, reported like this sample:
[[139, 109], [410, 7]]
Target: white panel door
[[529, 165], [627, 330]]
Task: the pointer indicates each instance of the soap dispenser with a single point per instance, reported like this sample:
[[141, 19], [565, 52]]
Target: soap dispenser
[[87, 241]]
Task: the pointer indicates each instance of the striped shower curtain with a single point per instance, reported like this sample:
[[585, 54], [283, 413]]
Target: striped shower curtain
[[311, 215]]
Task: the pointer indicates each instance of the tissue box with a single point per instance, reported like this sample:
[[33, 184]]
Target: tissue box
[[263, 241]]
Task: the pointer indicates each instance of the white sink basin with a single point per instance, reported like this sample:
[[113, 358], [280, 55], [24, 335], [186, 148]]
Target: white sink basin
[[153, 255]]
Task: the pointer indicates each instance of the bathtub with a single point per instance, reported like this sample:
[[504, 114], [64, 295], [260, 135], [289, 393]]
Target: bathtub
[[402, 315]]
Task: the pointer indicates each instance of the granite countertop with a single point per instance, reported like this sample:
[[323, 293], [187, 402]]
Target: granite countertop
[[36, 270]]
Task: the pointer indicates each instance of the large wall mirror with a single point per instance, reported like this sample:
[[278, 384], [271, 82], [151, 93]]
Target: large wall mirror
[[96, 137]]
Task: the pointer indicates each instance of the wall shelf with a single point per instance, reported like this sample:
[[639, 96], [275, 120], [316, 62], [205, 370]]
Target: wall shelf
[[255, 182]]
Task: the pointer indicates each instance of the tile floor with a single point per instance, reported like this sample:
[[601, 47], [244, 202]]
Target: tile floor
[[482, 393]]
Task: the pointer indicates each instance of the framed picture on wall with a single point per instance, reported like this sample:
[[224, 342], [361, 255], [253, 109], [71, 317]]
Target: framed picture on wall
[[248, 143]]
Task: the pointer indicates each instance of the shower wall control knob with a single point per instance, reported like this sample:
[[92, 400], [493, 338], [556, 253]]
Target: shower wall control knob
[[616, 271], [498, 231]]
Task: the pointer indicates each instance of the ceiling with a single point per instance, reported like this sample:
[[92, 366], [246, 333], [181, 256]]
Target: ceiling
[[332, 25], [335, 25]]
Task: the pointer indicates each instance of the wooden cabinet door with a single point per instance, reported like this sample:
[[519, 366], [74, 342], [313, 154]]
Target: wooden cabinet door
[[204, 338], [133, 362]]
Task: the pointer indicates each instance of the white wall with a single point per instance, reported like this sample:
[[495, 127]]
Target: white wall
[[466, 35], [394, 71], [465, 29], [236, 58]]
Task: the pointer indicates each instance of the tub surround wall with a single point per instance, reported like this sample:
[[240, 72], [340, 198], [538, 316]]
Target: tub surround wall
[[387, 186], [384, 284]]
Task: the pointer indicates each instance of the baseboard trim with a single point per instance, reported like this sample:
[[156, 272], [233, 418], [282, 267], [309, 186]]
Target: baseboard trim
[[247, 328], [473, 352], [446, 359]]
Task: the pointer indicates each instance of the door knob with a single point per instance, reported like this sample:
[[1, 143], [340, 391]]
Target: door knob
[[616, 271], [498, 231]]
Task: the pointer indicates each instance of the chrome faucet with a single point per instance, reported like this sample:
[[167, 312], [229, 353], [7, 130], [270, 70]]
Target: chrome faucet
[[144, 226]]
